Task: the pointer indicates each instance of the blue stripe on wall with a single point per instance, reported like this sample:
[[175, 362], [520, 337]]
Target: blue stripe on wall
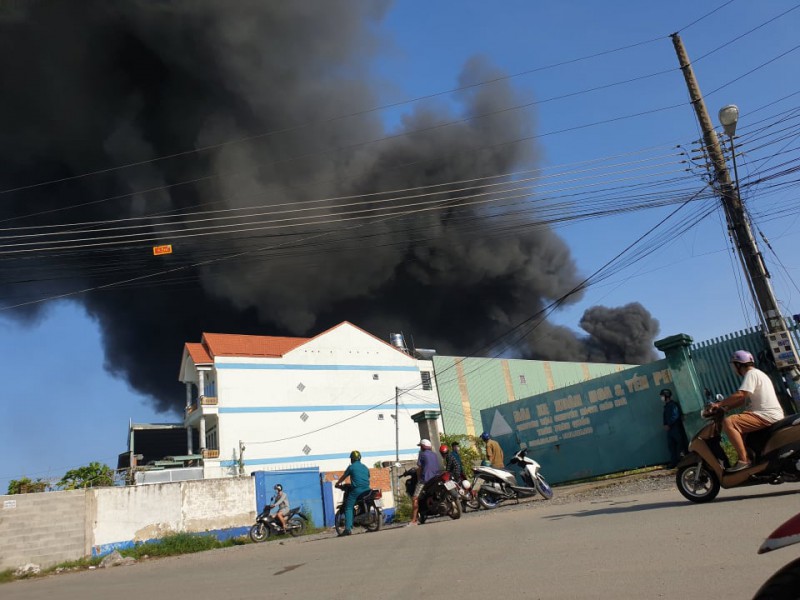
[[280, 366], [310, 457], [282, 409]]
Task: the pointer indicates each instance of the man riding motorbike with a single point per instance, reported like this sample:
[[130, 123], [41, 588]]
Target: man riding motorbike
[[359, 478], [762, 408], [281, 502]]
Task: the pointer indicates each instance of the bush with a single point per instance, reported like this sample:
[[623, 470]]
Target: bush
[[402, 509]]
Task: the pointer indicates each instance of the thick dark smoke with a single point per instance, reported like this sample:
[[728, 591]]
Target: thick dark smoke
[[96, 84]]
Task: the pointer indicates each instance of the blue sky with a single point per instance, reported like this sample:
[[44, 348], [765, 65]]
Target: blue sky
[[61, 409]]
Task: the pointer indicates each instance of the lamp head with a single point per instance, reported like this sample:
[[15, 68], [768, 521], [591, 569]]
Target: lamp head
[[729, 117]]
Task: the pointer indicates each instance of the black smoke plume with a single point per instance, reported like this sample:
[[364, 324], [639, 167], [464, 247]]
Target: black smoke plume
[[93, 85]]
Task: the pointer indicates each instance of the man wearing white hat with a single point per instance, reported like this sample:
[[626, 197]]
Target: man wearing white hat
[[428, 467]]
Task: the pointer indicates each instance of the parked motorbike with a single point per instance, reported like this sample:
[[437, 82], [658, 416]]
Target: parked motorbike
[[493, 486], [469, 499], [267, 524], [438, 498], [774, 456], [785, 583], [367, 512]]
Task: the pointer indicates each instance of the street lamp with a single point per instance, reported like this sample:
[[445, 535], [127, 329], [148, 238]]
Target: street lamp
[[729, 117]]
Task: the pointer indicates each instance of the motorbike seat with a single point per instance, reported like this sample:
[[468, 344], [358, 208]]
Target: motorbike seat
[[758, 439], [785, 422], [365, 495]]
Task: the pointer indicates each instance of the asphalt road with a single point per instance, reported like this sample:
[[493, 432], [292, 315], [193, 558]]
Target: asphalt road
[[648, 545]]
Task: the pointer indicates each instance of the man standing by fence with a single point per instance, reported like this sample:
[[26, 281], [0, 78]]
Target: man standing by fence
[[673, 425]]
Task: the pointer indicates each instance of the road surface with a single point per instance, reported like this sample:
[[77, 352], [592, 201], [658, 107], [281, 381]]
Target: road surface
[[648, 545]]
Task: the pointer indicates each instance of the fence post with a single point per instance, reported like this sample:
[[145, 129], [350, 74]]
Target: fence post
[[684, 377]]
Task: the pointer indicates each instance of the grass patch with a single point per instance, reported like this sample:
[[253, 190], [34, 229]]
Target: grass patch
[[181, 543], [7, 575]]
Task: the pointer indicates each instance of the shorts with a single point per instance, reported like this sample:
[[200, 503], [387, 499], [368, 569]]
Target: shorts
[[284, 512], [418, 489], [747, 422]]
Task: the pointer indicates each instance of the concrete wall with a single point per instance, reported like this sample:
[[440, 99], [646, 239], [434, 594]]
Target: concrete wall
[[125, 516], [44, 528], [53, 527], [339, 375]]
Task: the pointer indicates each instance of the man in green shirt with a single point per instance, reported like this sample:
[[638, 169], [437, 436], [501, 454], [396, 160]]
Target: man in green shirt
[[359, 478]]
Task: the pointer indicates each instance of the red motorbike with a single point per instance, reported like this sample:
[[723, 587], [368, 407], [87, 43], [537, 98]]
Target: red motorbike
[[785, 583]]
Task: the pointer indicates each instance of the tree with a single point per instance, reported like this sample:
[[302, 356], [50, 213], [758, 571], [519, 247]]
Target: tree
[[25, 485], [94, 474]]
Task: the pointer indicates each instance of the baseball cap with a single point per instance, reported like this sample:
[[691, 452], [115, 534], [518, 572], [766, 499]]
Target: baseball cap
[[424, 443]]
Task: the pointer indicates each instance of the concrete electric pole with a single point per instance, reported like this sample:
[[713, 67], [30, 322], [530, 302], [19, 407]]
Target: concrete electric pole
[[780, 341]]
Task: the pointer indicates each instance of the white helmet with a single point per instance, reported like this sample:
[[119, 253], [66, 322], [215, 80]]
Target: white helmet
[[466, 484]]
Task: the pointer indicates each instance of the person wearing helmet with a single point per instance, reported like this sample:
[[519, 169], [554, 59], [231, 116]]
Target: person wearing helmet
[[451, 465], [281, 502], [494, 453], [673, 425], [761, 407], [359, 480], [428, 467]]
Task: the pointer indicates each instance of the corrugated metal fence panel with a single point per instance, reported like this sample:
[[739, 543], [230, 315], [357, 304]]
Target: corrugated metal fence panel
[[712, 357]]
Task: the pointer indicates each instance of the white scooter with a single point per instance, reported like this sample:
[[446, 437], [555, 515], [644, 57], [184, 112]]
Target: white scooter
[[492, 485]]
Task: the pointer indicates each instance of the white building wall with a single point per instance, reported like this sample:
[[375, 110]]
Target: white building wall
[[321, 396]]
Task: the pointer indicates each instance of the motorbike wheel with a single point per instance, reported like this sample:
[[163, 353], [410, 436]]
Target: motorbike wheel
[[543, 487], [259, 532], [783, 585], [470, 502], [705, 489], [455, 509], [422, 517], [374, 520], [338, 522], [487, 500], [296, 526]]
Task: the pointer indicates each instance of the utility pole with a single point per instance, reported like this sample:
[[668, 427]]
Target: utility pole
[[396, 426], [780, 340]]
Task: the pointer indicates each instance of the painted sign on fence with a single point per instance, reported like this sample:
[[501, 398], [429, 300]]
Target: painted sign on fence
[[604, 425]]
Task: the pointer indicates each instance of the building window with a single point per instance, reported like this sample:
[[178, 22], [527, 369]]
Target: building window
[[522, 379], [375, 377], [426, 380], [380, 416]]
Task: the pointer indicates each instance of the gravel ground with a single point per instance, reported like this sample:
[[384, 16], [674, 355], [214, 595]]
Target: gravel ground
[[634, 484]]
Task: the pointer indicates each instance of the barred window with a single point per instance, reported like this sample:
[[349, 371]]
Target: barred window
[[426, 380]]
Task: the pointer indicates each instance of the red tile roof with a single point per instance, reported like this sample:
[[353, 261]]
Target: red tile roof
[[199, 354], [227, 344]]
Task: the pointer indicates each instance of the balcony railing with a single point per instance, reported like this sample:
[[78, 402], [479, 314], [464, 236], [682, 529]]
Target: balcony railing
[[202, 401], [210, 453]]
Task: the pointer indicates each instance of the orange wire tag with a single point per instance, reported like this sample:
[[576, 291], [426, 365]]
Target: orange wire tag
[[159, 250]]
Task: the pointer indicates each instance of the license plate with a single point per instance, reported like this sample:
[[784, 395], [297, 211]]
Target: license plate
[[450, 485], [379, 503]]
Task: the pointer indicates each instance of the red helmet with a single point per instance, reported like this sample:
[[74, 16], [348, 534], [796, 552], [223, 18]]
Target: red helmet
[[443, 449]]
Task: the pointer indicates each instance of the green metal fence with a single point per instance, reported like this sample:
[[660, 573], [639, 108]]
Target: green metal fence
[[712, 357]]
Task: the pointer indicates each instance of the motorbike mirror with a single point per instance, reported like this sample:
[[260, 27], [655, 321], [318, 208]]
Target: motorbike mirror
[[719, 397]]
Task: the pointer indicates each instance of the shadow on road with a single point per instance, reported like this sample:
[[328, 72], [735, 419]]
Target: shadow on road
[[628, 506]]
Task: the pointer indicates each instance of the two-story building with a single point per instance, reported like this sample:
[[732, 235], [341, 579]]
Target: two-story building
[[264, 402]]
